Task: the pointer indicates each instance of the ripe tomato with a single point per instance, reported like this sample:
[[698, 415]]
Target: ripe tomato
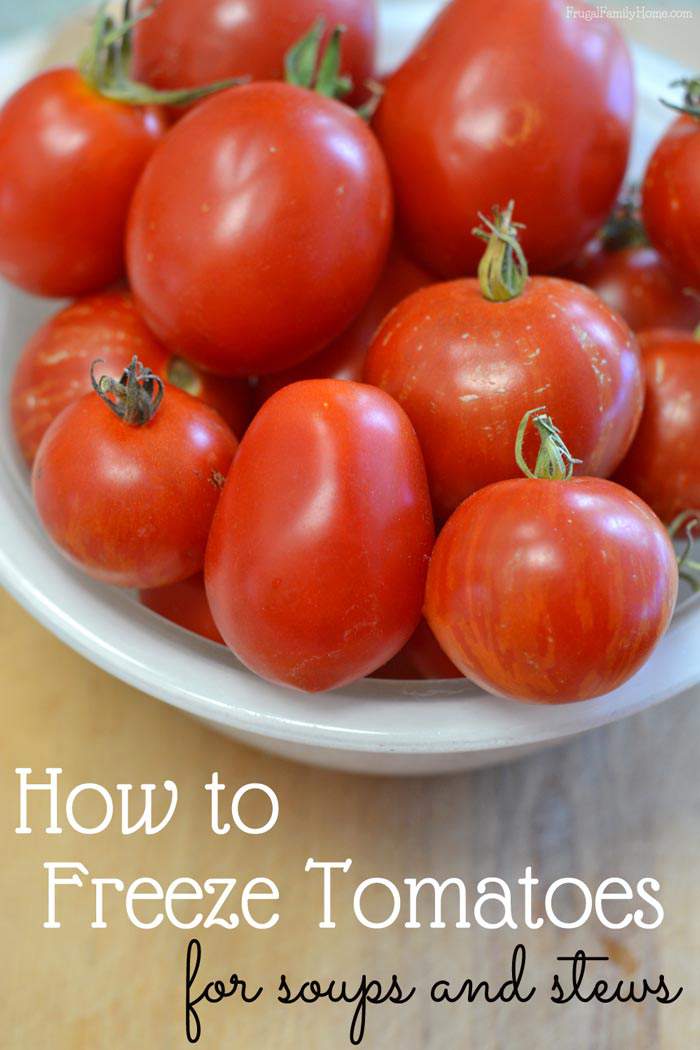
[[54, 369], [671, 197], [69, 162], [551, 590], [130, 500], [466, 368], [270, 240], [525, 101], [184, 603], [663, 464], [638, 284], [421, 657], [187, 44], [345, 357], [316, 563]]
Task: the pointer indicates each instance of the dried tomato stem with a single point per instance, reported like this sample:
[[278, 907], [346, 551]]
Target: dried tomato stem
[[688, 569], [135, 398], [554, 461], [503, 270]]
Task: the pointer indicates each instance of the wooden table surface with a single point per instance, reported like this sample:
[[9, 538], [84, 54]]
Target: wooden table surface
[[621, 801]]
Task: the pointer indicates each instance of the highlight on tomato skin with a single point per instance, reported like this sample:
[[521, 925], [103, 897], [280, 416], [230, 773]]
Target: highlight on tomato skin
[[318, 553], [185, 604], [663, 463]]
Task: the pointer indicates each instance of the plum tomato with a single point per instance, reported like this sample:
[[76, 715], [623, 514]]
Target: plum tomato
[[550, 588], [184, 603], [126, 480], [316, 564], [420, 658], [344, 358], [188, 44], [270, 240], [663, 464], [671, 191], [527, 101], [637, 283], [466, 359], [54, 368]]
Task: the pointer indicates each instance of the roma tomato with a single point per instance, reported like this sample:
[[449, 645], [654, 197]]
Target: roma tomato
[[316, 563], [126, 486], [420, 658], [345, 357], [663, 464], [637, 283], [184, 603], [271, 238], [552, 590], [54, 368], [671, 192], [188, 44], [466, 366], [525, 101]]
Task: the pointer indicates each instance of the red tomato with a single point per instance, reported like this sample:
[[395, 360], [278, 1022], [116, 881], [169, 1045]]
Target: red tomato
[[69, 162], [184, 603], [54, 369], [270, 239], [466, 369], [551, 590], [671, 198], [186, 44], [638, 284], [345, 357], [316, 562], [131, 503], [421, 657], [527, 101], [663, 464]]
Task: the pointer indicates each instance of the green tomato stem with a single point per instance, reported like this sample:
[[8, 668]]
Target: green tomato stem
[[554, 461], [690, 106], [503, 271]]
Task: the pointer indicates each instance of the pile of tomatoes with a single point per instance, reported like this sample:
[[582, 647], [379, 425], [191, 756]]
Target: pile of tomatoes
[[347, 365]]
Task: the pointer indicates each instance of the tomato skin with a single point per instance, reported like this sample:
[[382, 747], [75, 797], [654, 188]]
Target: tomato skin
[[316, 563], [420, 658], [184, 603], [530, 103], [219, 258], [69, 162], [466, 370], [54, 368], [663, 464], [671, 198], [132, 506], [637, 283], [185, 44], [344, 358], [551, 591]]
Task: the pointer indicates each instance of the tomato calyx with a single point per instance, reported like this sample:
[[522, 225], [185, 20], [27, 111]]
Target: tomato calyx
[[106, 62], [688, 568], [554, 461], [135, 397], [503, 270], [624, 227], [308, 67], [691, 102]]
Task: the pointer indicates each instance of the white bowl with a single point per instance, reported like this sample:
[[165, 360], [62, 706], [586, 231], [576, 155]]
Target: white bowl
[[371, 726]]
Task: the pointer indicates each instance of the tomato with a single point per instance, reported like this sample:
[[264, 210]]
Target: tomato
[[551, 590], [69, 162], [127, 489], [185, 43], [421, 657], [466, 368], [529, 101], [344, 358], [671, 197], [638, 284], [184, 603], [271, 238], [315, 569], [663, 464], [54, 368]]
